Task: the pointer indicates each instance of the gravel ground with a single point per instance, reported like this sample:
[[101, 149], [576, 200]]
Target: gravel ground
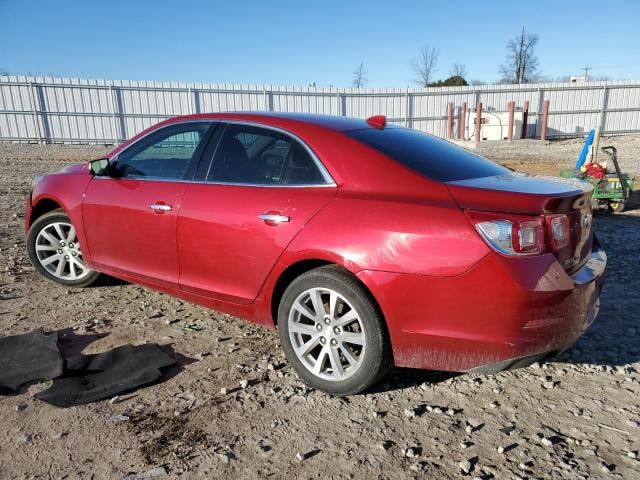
[[577, 416]]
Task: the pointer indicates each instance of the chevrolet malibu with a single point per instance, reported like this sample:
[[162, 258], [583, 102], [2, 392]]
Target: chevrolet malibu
[[366, 245]]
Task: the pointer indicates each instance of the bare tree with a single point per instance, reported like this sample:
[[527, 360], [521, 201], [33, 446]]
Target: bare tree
[[359, 76], [425, 65], [459, 70], [521, 64]]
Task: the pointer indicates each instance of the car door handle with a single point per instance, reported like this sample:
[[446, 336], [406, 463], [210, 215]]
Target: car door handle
[[273, 218], [160, 207]]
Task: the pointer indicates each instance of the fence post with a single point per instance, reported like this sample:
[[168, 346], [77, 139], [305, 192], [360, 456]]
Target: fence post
[[603, 108], [192, 103], [195, 100], [410, 106], [117, 134], [450, 120], [545, 120], [478, 120], [511, 107], [525, 119], [268, 100], [406, 108], [539, 111], [601, 123], [341, 104], [463, 120], [36, 108]]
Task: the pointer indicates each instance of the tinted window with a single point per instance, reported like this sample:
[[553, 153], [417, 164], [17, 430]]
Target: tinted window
[[300, 168], [259, 156], [431, 156], [163, 154]]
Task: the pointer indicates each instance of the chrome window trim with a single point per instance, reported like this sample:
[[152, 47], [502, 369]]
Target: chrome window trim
[[228, 184], [329, 181]]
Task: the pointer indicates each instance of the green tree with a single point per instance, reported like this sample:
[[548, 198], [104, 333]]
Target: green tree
[[454, 81]]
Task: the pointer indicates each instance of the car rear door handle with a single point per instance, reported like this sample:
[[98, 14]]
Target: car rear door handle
[[273, 218], [160, 207]]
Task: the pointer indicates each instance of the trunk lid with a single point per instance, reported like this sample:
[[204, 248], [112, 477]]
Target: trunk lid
[[535, 195]]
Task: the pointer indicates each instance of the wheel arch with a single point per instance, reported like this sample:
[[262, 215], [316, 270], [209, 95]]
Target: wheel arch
[[42, 206]]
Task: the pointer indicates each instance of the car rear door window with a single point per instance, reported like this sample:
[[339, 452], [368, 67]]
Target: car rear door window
[[252, 155], [164, 154], [433, 157]]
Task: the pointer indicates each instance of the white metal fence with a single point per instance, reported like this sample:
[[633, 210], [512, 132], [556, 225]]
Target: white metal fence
[[73, 110]]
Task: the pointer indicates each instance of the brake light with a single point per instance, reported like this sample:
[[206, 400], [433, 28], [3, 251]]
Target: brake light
[[510, 234], [528, 237], [558, 227], [377, 121]]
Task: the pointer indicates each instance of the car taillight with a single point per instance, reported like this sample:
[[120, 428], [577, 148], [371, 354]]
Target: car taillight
[[510, 234], [558, 227]]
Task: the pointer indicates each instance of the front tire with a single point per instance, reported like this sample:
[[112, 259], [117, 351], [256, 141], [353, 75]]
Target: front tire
[[55, 252], [332, 332]]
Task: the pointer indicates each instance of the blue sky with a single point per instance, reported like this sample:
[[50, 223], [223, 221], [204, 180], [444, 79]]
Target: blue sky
[[295, 43]]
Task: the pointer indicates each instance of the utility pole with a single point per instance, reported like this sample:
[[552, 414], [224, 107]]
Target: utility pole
[[586, 72]]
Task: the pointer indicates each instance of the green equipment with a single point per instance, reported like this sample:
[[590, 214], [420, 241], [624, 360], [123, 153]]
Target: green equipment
[[610, 192]]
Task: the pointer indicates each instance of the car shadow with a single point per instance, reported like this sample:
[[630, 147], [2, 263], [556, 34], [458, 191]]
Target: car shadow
[[105, 280], [400, 378], [181, 362]]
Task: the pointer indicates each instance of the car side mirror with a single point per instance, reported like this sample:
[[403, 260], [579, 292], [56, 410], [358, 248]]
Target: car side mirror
[[99, 167]]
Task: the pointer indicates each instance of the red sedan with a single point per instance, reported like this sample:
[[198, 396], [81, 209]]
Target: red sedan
[[367, 245]]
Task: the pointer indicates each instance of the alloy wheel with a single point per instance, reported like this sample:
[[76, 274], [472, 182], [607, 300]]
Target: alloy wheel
[[327, 334], [58, 251]]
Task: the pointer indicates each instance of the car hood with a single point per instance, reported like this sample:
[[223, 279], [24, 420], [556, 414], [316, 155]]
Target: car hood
[[519, 193]]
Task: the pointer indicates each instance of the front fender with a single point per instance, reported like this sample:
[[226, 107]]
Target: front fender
[[67, 190]]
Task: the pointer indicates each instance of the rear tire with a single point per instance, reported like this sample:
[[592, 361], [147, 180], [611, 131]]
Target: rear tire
[[332, 332], [55, 253]]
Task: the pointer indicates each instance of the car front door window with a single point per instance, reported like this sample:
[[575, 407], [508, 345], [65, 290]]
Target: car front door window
[[165, 154]]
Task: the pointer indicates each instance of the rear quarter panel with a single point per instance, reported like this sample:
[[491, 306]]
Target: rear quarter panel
[[424, 237]]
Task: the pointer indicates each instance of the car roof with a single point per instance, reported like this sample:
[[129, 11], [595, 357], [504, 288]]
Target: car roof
[[332, 122]]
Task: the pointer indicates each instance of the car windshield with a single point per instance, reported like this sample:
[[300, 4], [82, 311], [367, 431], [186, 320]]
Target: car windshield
[[430, 156]]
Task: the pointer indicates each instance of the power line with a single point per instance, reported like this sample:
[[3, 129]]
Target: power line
[[586, 69]]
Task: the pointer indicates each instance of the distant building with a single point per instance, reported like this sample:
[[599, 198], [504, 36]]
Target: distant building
[[579, 79]]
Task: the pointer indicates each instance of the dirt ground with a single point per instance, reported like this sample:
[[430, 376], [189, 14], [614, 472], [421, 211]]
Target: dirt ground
[[577, 416]]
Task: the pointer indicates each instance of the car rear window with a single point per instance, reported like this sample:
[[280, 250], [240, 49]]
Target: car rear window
[[430, 156]]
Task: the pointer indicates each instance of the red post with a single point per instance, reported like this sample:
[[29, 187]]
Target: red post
[[545, 120], [450, 120], [511, 107], [525, 119], [478, 121], [463, 120]]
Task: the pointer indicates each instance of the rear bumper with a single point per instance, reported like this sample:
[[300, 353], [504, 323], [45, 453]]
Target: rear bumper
[[501, 314]]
